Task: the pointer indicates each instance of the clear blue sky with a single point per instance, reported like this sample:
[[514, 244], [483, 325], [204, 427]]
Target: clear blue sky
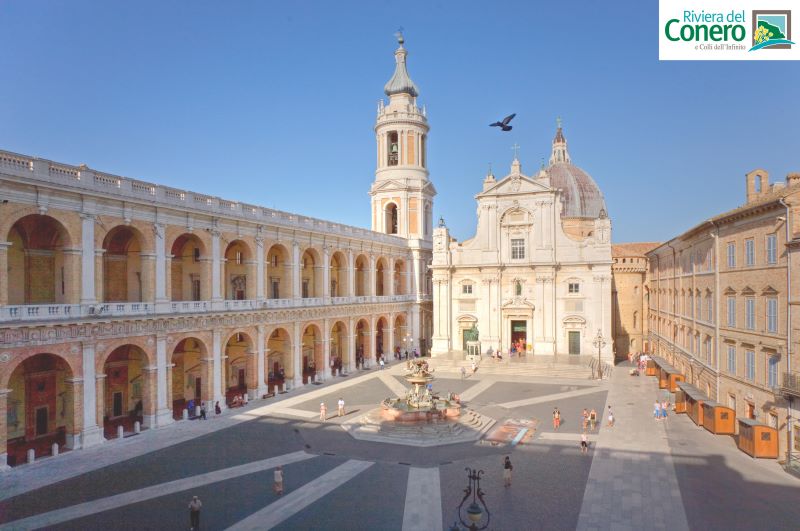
[[273, 103]]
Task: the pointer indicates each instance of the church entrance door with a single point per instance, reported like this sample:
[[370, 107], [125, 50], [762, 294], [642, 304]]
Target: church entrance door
[[519, 333], [574, 342]]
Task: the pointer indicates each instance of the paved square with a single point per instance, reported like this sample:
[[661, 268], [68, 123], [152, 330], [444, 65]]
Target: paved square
[[638, 475]]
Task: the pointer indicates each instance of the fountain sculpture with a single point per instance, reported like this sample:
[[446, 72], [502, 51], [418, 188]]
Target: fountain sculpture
[[420, 403]]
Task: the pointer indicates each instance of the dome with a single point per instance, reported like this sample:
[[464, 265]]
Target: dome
[[580, 198], [400, 83]]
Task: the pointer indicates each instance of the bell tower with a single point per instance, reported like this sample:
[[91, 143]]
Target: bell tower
[[402, 195]]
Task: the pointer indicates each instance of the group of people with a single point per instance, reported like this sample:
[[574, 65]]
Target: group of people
[[191, 407], [517, 347], [239, 400], [660, 409], [323, 409]]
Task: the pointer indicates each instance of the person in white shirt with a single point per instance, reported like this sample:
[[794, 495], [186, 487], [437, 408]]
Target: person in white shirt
[[341, 406]]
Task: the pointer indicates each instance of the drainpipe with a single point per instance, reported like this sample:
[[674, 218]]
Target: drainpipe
[[717, 301], [788, 333], [675, 312]]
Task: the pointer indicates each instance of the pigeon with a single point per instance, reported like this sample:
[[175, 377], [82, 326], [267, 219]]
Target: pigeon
[[504, 124]]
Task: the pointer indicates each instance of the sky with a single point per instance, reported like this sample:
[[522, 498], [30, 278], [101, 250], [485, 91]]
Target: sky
[[273, 103]]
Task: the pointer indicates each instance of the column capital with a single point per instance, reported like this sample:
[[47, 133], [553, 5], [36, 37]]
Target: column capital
[[5, 245]]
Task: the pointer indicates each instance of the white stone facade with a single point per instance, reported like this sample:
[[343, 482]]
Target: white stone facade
[[528, 273]]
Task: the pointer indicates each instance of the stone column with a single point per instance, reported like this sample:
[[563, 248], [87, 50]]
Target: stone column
[[148, 261], [216, 268], [351, 345], [206, 280], [410, 288], [4, 427], [99, 288], [217, 361], [351, 274], [372, 284], [297, 355], [100, 401], [4, 276], [389, 353], [167, 281], [74, 428], [390, 290], [372, 352], [163, 383], [161, 265], [149, 401], [296, 277], [417, 261], [326, 274], [251, 288], [326, 349], [261, 384], [92, 388], [260, 272], [72, 266], [88, 260]]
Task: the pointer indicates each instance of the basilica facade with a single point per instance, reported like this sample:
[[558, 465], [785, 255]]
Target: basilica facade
[[122, 301], [536, 277]]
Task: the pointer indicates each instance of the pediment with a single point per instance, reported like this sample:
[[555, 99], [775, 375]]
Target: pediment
[[518, 302], [467, 318], [748, 291], [769, 290], [514, 185], [574, 319], [729, 291], [390, 185]]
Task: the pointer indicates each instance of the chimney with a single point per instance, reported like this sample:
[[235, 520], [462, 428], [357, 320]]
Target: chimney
[[792, 179], [757, 182]]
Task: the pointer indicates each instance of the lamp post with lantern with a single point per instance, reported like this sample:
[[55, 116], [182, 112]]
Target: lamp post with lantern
[[474, 510], [599, 342]]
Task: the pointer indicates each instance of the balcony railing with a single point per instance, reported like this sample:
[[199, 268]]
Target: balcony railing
[[56, 312], [791, 384]]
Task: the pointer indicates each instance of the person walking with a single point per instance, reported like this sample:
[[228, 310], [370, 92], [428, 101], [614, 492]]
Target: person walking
[[340, 405], [585, 419], [584, 442], [203, 411], [556, 419], [381, 363], [194, 513], [593, 419], [217, 409], [277, 478], [610, 417], [664, 408], [463, 372], [657, 410], [323, 411], [507, 468]]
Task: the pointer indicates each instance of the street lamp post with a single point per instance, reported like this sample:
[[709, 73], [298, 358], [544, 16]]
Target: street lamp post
[[599, 342], [474, 511]]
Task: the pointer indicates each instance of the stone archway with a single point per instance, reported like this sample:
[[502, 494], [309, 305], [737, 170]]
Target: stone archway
[[278, 364], [363, 339], [311, 357], [238, 376], [126, 277], [339, 348], [126, 391], [36, 259], [40, 407], [189, 375]]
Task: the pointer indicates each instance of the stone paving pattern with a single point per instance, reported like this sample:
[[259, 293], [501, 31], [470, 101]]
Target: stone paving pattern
[[640, 474]]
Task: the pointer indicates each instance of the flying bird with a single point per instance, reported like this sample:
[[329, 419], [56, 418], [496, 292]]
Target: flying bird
[[504, 124]]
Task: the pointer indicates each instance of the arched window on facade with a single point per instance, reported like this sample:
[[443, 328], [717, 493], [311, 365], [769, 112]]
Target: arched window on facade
[[391, 218], [392, 149]]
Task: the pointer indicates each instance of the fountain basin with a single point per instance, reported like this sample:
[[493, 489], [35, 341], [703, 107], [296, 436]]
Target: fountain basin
[[397, 410]]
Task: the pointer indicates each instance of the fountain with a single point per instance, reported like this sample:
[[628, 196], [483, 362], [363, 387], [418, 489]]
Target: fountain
[[420, 404], [421, 417]]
